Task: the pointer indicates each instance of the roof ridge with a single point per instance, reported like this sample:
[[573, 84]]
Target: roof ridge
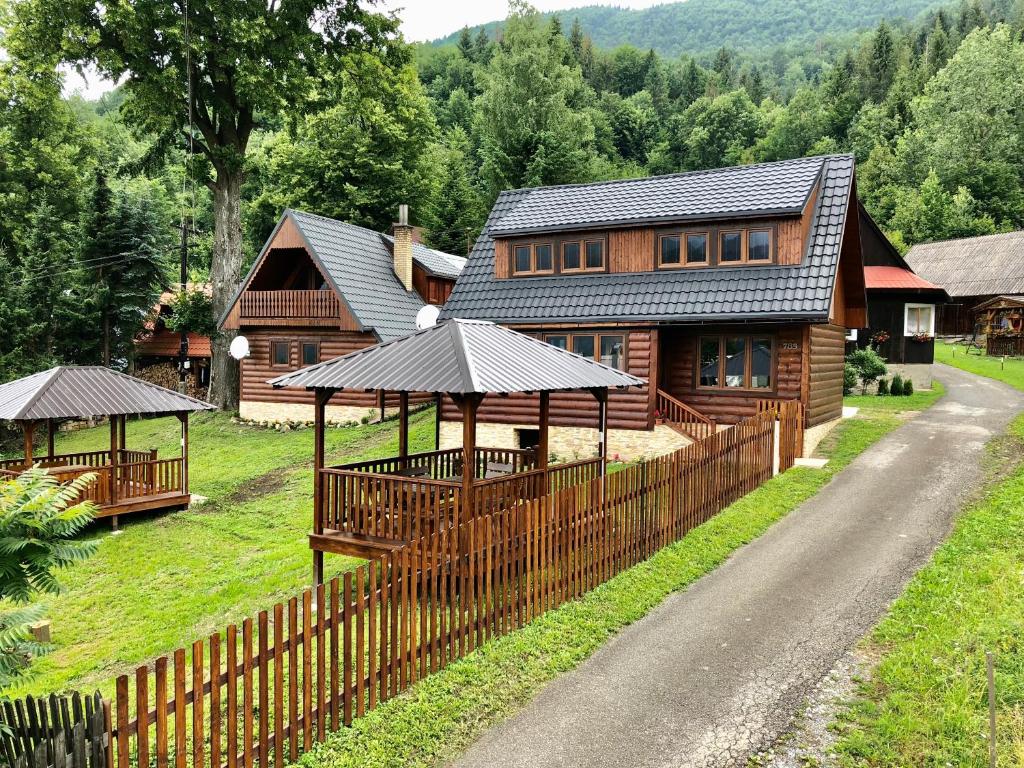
[[459, 345], [45, 386], [1012, 232]]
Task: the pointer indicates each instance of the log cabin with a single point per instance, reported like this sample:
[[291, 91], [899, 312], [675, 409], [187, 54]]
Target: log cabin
[[158, 348], [725, 289], [321, 288]]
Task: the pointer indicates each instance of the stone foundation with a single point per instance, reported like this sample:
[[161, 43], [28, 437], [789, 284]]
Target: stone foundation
[[276, 413], [570, 443], [815, 434]]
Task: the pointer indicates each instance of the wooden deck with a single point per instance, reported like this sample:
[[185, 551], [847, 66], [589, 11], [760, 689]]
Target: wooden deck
[[138, 482]]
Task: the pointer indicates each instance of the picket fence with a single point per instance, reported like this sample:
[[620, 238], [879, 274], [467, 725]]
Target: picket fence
[[263, 693]]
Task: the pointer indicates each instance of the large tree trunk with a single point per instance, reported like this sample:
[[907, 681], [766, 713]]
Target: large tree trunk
[[225, 275]]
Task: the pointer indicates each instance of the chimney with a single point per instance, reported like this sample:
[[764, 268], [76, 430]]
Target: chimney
[[402, 232]]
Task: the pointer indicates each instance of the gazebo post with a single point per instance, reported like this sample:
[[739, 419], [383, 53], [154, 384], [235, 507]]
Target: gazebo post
[[121, 433], [320, 400], [542, 430], [601, 395], [403, 424], [27, 428], [438, 401], [469, 405], [51, 438], [113, 467], [183, 418]]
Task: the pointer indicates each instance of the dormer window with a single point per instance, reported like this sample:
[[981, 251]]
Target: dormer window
[[686, 249], [731, 247], [533, 259], [568, 254], [759, 245]]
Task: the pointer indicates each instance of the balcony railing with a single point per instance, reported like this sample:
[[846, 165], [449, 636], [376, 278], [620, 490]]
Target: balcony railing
[[268, 305]]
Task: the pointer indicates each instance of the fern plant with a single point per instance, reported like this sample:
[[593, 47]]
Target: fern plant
[[40, 519]]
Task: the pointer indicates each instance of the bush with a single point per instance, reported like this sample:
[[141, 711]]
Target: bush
[[897, 386], [908, 387], [869, 366], [883, 387], [849, 378]]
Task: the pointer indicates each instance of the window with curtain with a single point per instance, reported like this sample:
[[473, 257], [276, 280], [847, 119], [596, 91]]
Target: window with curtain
[[736, 362]]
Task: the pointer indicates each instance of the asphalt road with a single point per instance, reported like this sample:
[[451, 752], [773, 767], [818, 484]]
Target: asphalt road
[[716, 673]]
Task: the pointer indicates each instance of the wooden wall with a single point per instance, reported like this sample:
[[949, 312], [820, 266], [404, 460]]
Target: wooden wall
[[631, 250], [825, 373], [679, 370], [627, 409], [432, 289]]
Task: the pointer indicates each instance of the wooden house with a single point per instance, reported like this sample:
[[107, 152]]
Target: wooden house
[[1001, 319], [725, 289], [157, 347], [973, 270], [322, 288]]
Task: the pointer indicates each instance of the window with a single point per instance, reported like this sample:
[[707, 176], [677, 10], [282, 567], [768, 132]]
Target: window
[[280, 352], [731, 247], [669, 250], [697, 249], [919, 320], [570, 256], [310, 352], [607, 348], [535, 258], [736, 362], [595, 254], [759, 243]]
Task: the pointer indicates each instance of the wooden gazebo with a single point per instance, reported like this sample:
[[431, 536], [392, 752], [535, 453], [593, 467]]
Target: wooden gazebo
[[127, 480], [368, 508]]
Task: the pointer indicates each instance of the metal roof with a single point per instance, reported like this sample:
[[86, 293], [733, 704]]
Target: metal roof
[[802, 291], [895, 278], [81, 392], [973, 266], [359, 266], [460, 357], [766, 189]]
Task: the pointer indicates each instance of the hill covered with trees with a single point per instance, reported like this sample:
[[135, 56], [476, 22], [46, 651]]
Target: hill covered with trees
[[697, 26]]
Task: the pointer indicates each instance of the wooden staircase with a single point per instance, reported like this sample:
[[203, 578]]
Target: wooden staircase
[[682, 418]]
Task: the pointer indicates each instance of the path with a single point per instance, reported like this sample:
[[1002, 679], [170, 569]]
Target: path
[[717, 672]]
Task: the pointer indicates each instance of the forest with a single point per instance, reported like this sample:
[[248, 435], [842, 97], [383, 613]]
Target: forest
[[349, 121]]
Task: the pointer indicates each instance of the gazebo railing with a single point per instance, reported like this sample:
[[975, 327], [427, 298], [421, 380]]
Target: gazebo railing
[[447, 464]]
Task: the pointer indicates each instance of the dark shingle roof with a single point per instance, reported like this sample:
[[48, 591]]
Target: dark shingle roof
[[73, 392], [722, 293], [973, 266], [460, 357], [751, 190], [360, 266]]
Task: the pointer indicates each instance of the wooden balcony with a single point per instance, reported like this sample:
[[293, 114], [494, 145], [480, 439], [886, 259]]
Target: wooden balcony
[[138, 481], [370, 507], [289, 308]]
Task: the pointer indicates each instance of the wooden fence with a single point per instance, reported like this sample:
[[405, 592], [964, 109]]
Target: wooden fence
[[262, 694], [55, 732]]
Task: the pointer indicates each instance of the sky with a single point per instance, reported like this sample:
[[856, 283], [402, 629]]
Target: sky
[[421, 20]]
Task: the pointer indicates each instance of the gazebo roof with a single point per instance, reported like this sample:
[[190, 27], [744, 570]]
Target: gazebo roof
[[79, 392], [460, 357]]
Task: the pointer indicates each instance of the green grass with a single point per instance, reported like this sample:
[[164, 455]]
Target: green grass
[[918, 401], [926, 703], [442, 714], [169, 579], [1010, 371]]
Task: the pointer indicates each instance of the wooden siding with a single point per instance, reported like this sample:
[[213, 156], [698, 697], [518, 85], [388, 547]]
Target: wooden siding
[[257, 368], [432, 289], [679, 370], [627, 409], [631, 250], [825, 373]]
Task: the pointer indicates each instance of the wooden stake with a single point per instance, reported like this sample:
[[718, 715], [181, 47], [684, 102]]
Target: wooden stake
[[403, 424], [990, 665]]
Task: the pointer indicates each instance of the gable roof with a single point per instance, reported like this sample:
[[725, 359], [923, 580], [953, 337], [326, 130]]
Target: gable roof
[[895, 279], [973, 266], [723, 293], [766, 189], [359, 266], [460, 357], [80, 392]]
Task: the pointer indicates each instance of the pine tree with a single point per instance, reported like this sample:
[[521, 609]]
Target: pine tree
[[455, 216], [937, 50], [724, 68], [465, 45], [576, 40], [882, 63], [482, 47]]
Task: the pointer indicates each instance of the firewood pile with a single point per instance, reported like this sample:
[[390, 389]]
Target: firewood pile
[[166, 375]]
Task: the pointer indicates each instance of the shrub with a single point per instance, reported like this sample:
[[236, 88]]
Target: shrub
[[38, 524], [883, 387], [849, 378], [897, 385], [908, 387], [869, 366]]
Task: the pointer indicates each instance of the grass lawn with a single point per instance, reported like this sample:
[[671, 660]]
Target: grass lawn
[[169, 579], [926, 703], [442, 714], [890, 404], [1010, 371]]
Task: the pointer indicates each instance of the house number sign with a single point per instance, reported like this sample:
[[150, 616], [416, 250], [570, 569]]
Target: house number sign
[[790, 345]]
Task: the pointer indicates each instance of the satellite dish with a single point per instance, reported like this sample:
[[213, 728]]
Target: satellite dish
[[427, 317], [239, 348]]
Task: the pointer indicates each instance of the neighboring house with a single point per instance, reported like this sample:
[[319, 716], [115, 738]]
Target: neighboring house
[[973, 270], [1001, 319], [322, 288], [158, 347], [723, 288], [902, 308]]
